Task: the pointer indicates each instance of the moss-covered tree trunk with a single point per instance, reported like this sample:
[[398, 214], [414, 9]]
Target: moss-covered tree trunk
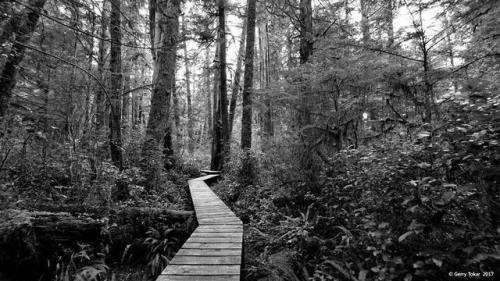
[[306, 30], [246, 119], [221, 128], [115, 64], [101, 61], [22, 32], [166, 29], [209, 120]]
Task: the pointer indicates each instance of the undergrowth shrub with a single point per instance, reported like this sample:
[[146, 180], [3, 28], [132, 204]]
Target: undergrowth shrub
[[86, 264], [393, 210]]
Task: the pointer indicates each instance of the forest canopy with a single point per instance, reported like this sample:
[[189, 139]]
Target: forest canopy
[[356, 139]]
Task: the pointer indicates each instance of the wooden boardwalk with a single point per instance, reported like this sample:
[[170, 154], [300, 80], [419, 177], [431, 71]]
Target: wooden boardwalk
[[213, 252]]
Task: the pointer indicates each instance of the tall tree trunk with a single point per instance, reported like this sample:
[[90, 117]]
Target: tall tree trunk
[[115, 64], [267, 122], [306, 49], [140, 119], [216, 130], [177, 118], [89, 95], [126, 102], [152, 26], [188, 94], [165, 41], [16, 55], [304, 115], [100, 98], [237, 76], [221, 151], [429, 103], [306, 30], [246, 120], [247, 175], [365, 25], [289, 50], [389, 19], [209, 119]]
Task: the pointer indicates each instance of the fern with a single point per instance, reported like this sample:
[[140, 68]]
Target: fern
[[162, 247], [95, 272]]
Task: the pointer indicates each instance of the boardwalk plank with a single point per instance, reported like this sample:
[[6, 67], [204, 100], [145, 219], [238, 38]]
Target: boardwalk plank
[[203, 227], [234, 260], [221, 228], [205, 215], [209, 252], [211, 245], [215, 235], [205, 239], [198, 269], [199, 278], [226, 220], [213, 252]]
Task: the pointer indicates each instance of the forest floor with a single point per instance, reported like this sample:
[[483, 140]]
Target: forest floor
[[66, 232]]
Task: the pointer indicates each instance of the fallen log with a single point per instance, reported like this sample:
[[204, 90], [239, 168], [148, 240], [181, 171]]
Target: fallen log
[[77, 209], [29, 240]]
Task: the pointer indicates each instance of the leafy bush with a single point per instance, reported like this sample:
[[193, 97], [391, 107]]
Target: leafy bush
[[393, 210]]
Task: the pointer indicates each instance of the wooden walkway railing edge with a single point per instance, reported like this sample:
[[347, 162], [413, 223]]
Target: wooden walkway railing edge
[[213, 252]]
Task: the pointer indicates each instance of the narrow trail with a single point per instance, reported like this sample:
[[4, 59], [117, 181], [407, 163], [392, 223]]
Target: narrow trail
[[213, 251]]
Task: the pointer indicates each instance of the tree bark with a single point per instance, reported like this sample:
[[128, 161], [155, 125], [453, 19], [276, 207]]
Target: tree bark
[[365, 25], [115, 63], [16, 55], [188, 94], [216, 130], [267, 121], [126, 95], [126, 103], [165, 42], [87, 122], [246, 119], [289, 50], [177, 118], [306, 30], [237, 76], [305, 51], [101, 61], [389, 18], [209, 120], [304, 115], [221, 127]]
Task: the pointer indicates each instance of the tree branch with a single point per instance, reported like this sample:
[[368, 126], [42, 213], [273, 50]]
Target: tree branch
[[67, 62], [383, 51]]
